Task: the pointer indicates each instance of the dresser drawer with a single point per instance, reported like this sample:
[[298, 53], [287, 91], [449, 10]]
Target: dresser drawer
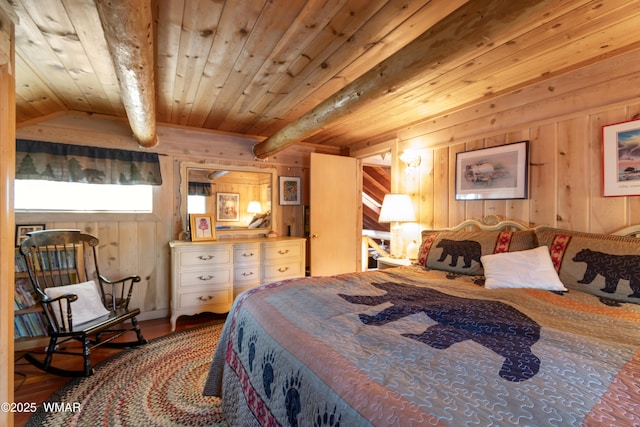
[[246, 254], [282, 250], [246, 275], [205, 298], [208, 277], [211, 256], [282, 270]]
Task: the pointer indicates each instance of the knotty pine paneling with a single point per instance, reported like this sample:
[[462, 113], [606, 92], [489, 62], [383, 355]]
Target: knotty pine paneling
[[574, 173], [564, 127], [542, 164]]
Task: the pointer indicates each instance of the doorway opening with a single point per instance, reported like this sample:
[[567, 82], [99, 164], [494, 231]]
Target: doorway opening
[[376, 182]]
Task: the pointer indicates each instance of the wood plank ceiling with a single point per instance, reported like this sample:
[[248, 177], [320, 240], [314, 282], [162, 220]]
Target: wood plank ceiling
[[256, 66]]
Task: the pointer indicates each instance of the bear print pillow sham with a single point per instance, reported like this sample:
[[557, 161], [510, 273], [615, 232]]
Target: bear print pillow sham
[[460, 251], [599, 264]]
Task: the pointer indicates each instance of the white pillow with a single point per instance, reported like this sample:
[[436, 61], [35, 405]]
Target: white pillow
[[87, 307], [531, 268]]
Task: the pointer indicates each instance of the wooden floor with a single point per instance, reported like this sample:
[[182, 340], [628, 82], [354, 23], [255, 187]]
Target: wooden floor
[[34, 385]]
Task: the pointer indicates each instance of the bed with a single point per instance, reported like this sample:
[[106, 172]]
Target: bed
[[535, 327]]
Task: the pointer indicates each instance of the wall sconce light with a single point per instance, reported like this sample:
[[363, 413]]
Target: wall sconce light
[[411, 159]]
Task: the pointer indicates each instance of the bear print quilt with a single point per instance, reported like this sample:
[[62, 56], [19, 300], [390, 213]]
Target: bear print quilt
[[413, 347]]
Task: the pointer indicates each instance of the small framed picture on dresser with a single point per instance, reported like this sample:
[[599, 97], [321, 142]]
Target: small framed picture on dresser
[[202, 227]]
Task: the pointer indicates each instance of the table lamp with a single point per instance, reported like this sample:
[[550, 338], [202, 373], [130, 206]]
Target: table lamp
[[396, 208], [254, 207]]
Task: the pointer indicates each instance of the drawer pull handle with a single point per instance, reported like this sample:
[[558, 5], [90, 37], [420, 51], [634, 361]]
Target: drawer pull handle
[[283, 269], [248, 274], [247, 254], [209, 277], [205, 257], [207, 298], [283, 251]]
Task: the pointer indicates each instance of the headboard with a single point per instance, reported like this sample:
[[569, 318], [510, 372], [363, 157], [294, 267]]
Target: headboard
[[490, 223], [498, 223], [631, 231]]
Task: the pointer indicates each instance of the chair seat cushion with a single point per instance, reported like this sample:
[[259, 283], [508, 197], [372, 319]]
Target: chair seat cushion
[[86, 308]]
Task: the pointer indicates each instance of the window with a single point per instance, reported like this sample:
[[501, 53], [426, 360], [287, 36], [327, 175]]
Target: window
[[197, 204], [40, 195], [54, 177]]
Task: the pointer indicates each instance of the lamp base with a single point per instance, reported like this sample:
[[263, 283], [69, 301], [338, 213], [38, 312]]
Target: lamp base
[[396, 246]]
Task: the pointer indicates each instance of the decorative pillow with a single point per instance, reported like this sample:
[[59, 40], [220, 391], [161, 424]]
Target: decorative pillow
[[460, 251], [531, 268], [87, 307], [599, 264]]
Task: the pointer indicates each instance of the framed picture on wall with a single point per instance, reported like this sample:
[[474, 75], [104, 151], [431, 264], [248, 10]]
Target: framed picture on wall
[[202, 227], [290, 191], [493, 173], [228, 207], [22, 231], [621, 159]]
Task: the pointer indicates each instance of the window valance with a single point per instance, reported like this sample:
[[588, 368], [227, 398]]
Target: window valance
[[75, 163], [200, 189]]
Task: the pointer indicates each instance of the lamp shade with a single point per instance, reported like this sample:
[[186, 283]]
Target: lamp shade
[[254, 207], [397, 208]]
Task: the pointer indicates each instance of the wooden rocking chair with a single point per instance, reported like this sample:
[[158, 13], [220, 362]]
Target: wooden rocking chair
[[78, 303]]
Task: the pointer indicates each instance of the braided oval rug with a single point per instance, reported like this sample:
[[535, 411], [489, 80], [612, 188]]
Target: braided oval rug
[[158, 384]]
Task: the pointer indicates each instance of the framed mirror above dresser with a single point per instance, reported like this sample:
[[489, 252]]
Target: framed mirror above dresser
[[206, 275], [241, 199]]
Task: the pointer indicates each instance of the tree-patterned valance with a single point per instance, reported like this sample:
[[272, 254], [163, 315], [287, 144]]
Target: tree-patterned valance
[[75, 163], [200, 189]]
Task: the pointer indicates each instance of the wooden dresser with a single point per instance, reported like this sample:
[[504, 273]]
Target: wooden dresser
[[207, 276]]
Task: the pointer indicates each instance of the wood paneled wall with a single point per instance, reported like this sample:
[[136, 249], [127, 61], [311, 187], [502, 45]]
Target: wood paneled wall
[[7, 228], [562, 119], [139, 243]]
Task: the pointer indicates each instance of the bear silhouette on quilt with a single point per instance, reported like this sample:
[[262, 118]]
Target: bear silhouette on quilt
[[493, 324]]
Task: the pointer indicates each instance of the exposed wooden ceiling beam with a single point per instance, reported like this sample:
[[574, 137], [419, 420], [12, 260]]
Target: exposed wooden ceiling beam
[[128, 29], [463, 31]]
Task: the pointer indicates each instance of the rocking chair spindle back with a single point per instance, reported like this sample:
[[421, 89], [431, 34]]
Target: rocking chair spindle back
[[79, 304]]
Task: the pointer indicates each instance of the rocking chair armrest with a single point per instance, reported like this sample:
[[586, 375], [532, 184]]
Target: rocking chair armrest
[[134, 279], [121, 301], [48, 300], [59, 317]]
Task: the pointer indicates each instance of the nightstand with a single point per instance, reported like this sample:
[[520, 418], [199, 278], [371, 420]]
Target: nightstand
[[388, 262]]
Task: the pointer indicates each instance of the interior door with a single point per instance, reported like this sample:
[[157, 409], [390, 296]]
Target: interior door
[[336, 218]]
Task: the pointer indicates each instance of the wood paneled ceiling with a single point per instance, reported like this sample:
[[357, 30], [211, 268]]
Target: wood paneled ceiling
[[336, 72]]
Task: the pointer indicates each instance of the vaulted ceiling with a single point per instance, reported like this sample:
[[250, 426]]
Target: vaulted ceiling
[[341, 73]]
